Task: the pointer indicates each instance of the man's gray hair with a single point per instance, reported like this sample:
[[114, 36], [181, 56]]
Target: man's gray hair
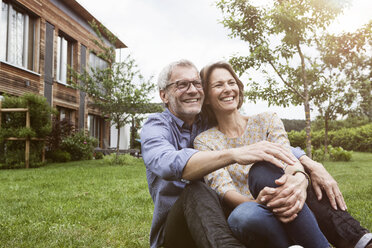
[[166, 73]]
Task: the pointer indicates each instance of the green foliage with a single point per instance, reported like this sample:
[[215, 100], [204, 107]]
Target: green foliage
[[319, 155], [21, 132], [39, 109], [351, 121], [353, 139], [12, 153], [339, 154], [58, 156], [119, 91], [122, 159], [279, 33], [334, 154], [98, 155], [350, 54], [60, 130], [79, 146], [297, 139], [296, 125]]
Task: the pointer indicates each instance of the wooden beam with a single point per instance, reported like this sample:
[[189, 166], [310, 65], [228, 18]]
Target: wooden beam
[[14, 110], [15, 138], [27, 150], [0, 114]]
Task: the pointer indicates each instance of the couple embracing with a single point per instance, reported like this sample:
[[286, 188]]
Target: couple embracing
[[221, 179]]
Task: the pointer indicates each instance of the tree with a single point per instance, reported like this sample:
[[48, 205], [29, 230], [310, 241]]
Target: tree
[[118, 90], [137, 119], [352, 53], [292, 124], [278, 35], [346, 74], [332, 98]]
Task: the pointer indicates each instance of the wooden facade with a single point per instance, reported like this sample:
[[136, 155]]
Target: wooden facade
[[56, 25]]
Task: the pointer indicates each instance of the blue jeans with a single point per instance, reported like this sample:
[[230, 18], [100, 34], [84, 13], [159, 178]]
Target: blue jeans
[[256, 226]]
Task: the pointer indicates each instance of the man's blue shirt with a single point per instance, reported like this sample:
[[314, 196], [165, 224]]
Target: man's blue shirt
[[166, 143]]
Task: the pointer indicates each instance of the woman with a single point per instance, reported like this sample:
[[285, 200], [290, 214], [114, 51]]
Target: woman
[[239, 185]]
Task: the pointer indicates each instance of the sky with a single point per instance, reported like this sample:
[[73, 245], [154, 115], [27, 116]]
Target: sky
[[158, 32]]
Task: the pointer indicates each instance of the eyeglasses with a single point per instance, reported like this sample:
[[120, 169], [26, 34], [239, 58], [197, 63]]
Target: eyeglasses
[[183, 85]]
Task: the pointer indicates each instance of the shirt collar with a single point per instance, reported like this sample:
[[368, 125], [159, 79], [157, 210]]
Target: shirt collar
[[180, 123]]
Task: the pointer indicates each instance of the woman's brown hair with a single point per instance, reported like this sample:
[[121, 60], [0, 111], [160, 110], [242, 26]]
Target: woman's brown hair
[[205, 75]]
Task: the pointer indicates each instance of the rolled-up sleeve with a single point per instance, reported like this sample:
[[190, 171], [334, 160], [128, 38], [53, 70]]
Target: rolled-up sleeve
[[297, 152], [159, 154]]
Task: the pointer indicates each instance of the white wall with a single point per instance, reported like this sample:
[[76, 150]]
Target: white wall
[[124, 137]]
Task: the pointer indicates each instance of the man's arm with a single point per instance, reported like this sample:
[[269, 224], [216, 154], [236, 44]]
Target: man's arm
[[321, 179], [204, 162], [169, 163]]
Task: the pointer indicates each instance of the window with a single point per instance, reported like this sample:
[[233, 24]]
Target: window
[[65, 52], [17, 36], [96, 62], [94, 127], [65, 114]]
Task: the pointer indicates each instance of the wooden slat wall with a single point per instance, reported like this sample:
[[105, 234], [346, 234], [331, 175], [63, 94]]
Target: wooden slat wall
[[13, 79]]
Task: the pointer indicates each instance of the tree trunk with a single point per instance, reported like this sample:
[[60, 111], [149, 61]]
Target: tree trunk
[[326, 133], [117, 145], [306, 102], [308, 129], [132, 134]]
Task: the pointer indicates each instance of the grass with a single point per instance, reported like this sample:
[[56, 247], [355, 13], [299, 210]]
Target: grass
[[90, 204], [79, 204], [355, 181]]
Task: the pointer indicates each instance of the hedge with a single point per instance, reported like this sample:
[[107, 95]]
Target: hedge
[[12, 153], [353, 139]]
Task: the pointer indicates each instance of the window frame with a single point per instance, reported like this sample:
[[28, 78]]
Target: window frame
[[97, 128], [30, 37], [64, 60]]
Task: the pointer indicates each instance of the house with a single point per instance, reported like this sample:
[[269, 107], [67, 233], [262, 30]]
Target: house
[[39, 40]]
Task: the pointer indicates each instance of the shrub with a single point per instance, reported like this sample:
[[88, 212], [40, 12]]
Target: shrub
[[60, 130], [12, 153], [58, 156], [123, 159], [98, 155], [334, 154], [79, 145], [319, 155], [297, 138], [339, 154], [353, 139]]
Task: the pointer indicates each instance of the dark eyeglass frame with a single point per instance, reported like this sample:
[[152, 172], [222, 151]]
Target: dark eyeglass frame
[[184, 85]]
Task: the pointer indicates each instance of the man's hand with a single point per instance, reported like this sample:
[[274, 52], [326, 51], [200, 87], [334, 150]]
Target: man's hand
[[287, 199], [321, 179], [264, 151]]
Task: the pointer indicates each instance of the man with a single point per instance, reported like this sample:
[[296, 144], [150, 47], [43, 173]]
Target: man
[[189, 214]]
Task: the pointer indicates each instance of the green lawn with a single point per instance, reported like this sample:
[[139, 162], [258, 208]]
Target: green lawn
[[89, 204]]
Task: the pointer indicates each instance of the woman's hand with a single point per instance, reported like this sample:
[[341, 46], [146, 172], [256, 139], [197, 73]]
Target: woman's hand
[[287, 199], [264, 151]]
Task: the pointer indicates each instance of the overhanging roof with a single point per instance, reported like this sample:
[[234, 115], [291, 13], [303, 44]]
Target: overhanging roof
[[74, 5]]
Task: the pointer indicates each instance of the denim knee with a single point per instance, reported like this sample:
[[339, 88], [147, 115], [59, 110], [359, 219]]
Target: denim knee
[[241, 216], [254, 225], [249, 216], [263, 174]]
